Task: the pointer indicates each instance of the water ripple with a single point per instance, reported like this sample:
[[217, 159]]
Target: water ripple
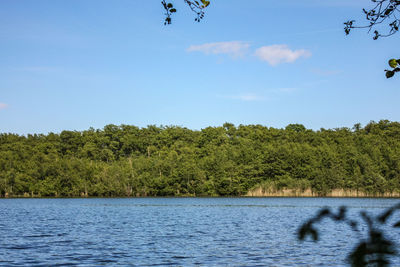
[[172, 232]]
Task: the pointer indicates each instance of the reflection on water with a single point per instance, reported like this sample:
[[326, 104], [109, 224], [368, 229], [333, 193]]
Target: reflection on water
[[174, 231]]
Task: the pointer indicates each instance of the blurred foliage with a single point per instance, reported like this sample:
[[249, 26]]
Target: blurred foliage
[[375, 249]]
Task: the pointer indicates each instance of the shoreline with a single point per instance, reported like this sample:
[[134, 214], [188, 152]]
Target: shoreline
[[258, 192], [244, 196], [336, 193]]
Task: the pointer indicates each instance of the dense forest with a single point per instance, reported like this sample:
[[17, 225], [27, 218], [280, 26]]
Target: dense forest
[[216, 161]]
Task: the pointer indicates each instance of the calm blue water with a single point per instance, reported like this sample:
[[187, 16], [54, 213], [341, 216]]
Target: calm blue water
[[174, 231]]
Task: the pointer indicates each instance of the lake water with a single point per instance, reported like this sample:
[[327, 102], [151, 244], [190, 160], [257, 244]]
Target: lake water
[[174, 232]]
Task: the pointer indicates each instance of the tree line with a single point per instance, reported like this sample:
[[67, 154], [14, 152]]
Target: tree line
[[229, 160]]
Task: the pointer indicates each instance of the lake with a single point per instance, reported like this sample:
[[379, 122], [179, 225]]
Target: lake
[[175, 231]]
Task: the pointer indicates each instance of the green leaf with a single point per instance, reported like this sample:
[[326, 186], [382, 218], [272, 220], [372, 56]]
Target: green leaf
[[169, 5], [205, 3], [172, 10], [393, 63], [389, 74]]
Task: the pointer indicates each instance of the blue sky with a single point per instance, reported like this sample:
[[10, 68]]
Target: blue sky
[[73, 64]]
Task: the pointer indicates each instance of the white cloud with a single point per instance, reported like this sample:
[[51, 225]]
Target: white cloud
[[3, 106], [277, 54], [234, 48], [273, 54]]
